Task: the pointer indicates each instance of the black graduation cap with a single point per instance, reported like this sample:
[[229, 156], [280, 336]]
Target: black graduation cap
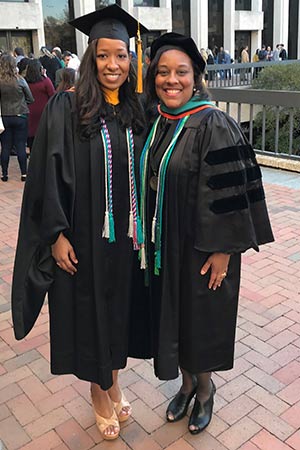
[[111, 22], [179, 41]]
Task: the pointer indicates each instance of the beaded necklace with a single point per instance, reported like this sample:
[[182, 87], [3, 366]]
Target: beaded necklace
[[134, 221]]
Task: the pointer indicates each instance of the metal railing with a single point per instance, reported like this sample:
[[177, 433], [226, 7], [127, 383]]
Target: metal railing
[[263, 114], [239, 74]]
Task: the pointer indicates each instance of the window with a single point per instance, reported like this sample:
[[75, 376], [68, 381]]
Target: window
[[11, 39], [243, 5], [181, 16], [215, 25], [99, 4], [267, 34], [58, 32], [146, 3]]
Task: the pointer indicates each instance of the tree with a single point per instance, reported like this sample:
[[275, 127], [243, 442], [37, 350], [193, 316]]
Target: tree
[[59, 33]]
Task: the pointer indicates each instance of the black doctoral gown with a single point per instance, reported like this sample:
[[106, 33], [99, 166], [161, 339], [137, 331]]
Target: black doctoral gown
[[213, 202], [99, 316]]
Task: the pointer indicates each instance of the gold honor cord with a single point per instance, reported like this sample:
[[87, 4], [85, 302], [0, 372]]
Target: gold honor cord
[[139, 83]]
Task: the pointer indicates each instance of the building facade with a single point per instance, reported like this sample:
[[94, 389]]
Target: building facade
[[232, 24]]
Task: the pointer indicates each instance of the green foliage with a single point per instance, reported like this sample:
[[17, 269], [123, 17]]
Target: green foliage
[[284, 130], [279, 77]]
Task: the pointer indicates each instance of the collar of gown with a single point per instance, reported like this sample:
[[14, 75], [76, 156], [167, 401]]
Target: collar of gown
[[191, 107], [111, 97]]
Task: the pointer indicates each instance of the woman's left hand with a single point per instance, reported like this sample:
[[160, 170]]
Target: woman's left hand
[[218, 263]]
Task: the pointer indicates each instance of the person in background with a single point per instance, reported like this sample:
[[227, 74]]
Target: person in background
[[202, 205], [67, 57], [276, 53], [67, 80], [74, 63], [269, 56], [262, 54], [56, 51], [282, 53], [15, 96], [244, 59], [210, 60], [221, 60], [22, 66], [228, 60], [50, 63], [19, 54], [146, 61], [42, 89], [80, 228]]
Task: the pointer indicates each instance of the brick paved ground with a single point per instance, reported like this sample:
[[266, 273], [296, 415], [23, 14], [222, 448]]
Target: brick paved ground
[[257, 403]]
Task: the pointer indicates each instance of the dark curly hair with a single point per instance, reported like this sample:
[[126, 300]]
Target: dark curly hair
[[152, 97], [91, 103]]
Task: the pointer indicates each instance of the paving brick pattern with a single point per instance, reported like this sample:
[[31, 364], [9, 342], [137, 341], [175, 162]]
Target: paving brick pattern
[[257, 405]]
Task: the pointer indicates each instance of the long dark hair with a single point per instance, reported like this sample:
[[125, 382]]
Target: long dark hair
[[199, 86], [67, 79], [34, 71], [90, 100]]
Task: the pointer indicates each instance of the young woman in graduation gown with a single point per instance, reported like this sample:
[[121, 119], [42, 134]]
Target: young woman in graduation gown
[[202, 206], [80, 224]]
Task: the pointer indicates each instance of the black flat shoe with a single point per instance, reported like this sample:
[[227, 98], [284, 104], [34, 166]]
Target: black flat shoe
[[179, 405], [4, 178], [201, 414]]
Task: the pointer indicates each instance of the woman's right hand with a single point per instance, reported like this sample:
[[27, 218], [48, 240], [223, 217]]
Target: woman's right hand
[[64, 255]]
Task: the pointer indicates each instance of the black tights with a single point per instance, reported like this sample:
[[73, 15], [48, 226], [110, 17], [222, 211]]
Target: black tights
[[202, 379]]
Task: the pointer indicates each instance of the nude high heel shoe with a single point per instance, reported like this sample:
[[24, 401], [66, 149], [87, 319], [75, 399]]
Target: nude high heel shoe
[[104, 422], [120, 405]]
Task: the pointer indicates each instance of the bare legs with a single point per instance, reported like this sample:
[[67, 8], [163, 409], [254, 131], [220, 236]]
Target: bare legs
[[104, 401]]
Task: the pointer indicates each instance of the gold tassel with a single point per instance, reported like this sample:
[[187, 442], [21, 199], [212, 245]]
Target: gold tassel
[[139, 81]]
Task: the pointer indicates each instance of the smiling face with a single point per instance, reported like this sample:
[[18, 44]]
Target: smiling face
[[174, 80], [113, 63]]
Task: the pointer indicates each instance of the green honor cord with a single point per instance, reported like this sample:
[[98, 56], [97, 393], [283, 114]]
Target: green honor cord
[[157, 219]]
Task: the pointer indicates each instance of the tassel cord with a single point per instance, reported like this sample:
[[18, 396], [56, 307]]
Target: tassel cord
[[157, 219]]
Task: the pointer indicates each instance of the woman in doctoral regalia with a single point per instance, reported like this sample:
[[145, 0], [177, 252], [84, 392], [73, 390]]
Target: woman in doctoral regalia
[[202, 206], [80, 225]]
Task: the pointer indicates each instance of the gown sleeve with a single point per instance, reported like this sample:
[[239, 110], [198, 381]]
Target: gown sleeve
[[231, 212], [47, 210]]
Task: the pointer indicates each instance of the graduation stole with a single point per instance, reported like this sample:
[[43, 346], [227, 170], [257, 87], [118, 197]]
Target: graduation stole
[[134, 221], [181, 114]]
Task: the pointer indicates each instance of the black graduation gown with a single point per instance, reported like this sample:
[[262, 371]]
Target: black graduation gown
[[98, 317], [213, 202]]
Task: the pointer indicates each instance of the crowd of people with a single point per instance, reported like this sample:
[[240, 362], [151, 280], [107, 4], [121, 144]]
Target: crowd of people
[[26, 85], [265, 53], [220, 56], [134, 219]]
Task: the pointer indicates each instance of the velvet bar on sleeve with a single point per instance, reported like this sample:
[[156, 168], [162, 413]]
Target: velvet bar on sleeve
[[230, 194]]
